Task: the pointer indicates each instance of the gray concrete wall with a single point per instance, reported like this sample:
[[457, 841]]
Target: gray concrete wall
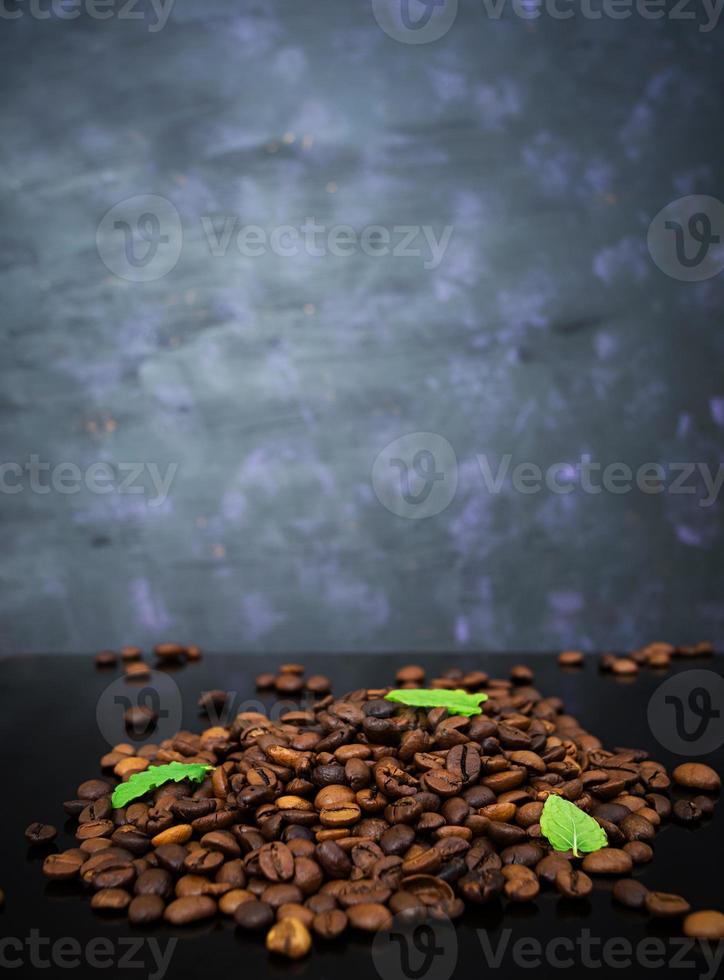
[[544, 331]]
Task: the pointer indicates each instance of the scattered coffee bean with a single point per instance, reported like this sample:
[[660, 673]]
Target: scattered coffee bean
[[144, 910], [40, 833], [573, 884], [695, 775], [192, 908], [570, 658], [254, 915], [663, 905], [630, 892], [707, 924]]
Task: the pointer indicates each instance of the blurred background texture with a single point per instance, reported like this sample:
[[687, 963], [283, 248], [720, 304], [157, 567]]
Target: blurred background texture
[[532, 324]]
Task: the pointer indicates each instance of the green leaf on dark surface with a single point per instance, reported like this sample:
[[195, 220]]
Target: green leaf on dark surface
[[456, 702], [570, 829], [143, 782]]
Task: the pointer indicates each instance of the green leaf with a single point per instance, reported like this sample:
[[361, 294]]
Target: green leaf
[[143, 782], [456, 702], [570, 829]]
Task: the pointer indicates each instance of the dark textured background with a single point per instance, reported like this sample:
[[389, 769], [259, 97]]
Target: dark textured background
[[547, 331]]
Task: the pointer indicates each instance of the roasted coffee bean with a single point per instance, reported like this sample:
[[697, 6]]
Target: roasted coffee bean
[[464, 761], [638, 851], [397, 839], [361, 892], [370, 917], [686, 811], [666, 906], [111, 900], [113, 878], [635, 827], [276, 862], [155, 881], [442, 782], [630, 892], [192, 908], [40, 833], [521, 885], [570, 658], [573, 884], [144, 910], [282, 894], [407, 809], [548, 868], [707, 924], [608, 861], [330, 924], [332, 858], [62, 866], [481, 885], [92, 789], [694, 775], [290, 938]]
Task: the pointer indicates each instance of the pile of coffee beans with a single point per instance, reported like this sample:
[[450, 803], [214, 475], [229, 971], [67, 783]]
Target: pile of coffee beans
[[353, 809]]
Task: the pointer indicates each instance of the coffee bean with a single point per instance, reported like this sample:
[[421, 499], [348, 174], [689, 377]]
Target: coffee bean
[[340, 815], [106, 658], [397, 839], [666, 906], [686, 811], [254, 915], [370, 917], [62, 866], [521, 884], [707, 924], [155, 881], [111, 900], [630, 892], [362, 892], [695, 775], [192, 908], [333, 859], [570, 658], [276, 862], [635, 827], [40, 833], [549, 866], [318, 684], [608, 861], [231, 900], [638, 851], [573, 884], [144, 910], [265, 681], [289, 938], [330, 924]]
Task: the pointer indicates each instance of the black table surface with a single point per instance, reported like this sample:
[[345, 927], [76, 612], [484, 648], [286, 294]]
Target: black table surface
[[51, 741]]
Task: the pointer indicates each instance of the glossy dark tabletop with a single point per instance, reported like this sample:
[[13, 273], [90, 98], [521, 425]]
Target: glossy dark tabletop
[[51, 741]]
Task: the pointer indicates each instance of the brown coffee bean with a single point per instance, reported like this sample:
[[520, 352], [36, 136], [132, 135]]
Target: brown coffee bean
[[608, 861], [231, 900], [40, 833], [397, 839], [412, 674], [290, 938], [192, 908], [171, 857], [573, 884], [340, 815], [686, 811], [570, 658], [707, 924], [106, 658], [666, 906], [289, 683], [369, 917], [695, 775], [442, 782], [178, 834], [254, 915], [638, 851], [624, 667], [155, 881], [145, 910], [333, 859], [111, 899], [318, 684], [522, 885], [276, 862], [464, 762], [330, 924], [630, 892], [265, 681], [62, 866], [282, 894], [635, 828]]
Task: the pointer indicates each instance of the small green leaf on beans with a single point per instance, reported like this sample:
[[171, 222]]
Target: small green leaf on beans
[[570, 829], [143, 782], [456, 702]]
